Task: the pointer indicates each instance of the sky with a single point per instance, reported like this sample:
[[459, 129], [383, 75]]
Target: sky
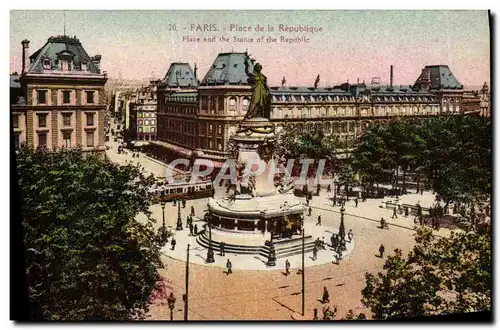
[[140, 44]]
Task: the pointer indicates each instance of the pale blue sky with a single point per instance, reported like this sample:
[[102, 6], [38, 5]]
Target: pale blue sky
[[138, 44]]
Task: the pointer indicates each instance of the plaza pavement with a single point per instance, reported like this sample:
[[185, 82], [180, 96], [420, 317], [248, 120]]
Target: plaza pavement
[[269, 294]]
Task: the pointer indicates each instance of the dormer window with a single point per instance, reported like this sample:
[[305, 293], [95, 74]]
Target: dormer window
[[84, 66], [46, 64], [64, 65]]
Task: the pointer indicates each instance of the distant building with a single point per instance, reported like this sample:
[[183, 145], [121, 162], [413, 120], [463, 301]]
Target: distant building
[[200, 119], [142, 122], [63, 100]]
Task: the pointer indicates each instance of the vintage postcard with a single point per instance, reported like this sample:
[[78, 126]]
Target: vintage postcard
[[231, 165]]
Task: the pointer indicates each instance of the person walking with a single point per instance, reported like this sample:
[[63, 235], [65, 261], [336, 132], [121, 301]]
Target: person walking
[[229, 267], [394, 213], [319, 220], [191, 229], [195, 230], [326, 296], [309, 210], [356, 201], [407, 212], [334, 200], [173, 242], [315, 252], [222, 249], [350, 235], [381, 250], [183, 203], [287, 267], [329, 188], [382, 223]]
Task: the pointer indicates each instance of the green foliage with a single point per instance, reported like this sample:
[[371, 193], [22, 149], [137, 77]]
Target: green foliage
[[453, 153], [87, 256], [440, 275], [296, 144]]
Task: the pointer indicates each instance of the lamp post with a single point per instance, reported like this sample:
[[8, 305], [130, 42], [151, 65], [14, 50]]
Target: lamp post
[[342, 227], [303, 273], [210, 253], [163, 213], [171, 304], [179, 220]]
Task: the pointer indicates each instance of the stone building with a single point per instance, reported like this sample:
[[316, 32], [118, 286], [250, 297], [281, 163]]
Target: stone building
[[142, 122], [201, 119], [63, 100]]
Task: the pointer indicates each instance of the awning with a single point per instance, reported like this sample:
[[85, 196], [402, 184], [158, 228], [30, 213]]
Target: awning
[[173, 147]]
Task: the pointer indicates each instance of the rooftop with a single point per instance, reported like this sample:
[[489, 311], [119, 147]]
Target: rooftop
[[14, 81], [63, 46], [180, 75], [440, 77], [228, 69]]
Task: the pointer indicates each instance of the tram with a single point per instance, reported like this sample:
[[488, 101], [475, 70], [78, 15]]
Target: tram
[[168, 192]]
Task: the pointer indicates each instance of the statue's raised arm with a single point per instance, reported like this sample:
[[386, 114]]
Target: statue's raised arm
[[248, 73]]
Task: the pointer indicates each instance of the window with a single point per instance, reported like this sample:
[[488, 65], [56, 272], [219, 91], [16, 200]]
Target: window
[[16, 141], [90, 139], [90, 97], [46, 64], [42, 120], [152, 129], [67, 139], [84, 66], [15, 121], [42, 139], [64, 65], [139, 114], [232, 104], [41, 97], [66, 97], [219, 129], [66, 119], [90, 119], [246, 102], [152, 121], [210, 129], [140, 122]]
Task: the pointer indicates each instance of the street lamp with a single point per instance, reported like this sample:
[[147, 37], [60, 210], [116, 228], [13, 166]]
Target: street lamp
[[171, 304], [163, 213], [210, 253], [179, 220], [342, 227]]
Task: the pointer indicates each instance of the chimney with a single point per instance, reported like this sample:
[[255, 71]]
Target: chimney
[[392, 76], [26, 56], [96, 60]]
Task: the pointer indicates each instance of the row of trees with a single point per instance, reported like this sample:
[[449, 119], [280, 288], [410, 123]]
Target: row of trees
[[452, 153], [87, 257]]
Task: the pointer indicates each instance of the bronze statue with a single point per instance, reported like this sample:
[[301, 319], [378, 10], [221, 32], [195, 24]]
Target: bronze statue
[[260, 105]]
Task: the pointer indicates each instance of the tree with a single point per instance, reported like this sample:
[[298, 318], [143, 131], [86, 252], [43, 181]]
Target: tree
[[87, 256], [440, 275]]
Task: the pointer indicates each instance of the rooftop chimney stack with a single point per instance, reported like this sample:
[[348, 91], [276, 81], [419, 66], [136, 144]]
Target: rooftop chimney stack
[[392, 76], [26, 56]]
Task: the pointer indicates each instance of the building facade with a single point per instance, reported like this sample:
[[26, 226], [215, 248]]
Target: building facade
[[142, 122], [201, 121], [63, 103]]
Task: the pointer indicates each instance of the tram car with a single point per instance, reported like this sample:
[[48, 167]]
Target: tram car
[[168, 192]]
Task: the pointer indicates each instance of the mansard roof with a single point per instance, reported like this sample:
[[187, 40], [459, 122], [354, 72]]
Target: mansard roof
[[180, 75], [228, 69], [440, 77], [65, 46]]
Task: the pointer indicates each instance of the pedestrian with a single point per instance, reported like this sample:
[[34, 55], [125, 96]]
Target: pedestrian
[[332, 240], [381, 250], [421, 191], [229, 267], [183, 203], [356, 201], [315, 311], [222, 249], [319, 220], [318, 189], [326, 296], [337, 258], [334, 200], [407, 211], [394, 213], [329, 188], [382, 223], [310, 210], [195, 230], [173, 242], [287, 267], [315, 252], [350, 235], [455, 208], [192, 210], [190, 229], [307, 201]]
